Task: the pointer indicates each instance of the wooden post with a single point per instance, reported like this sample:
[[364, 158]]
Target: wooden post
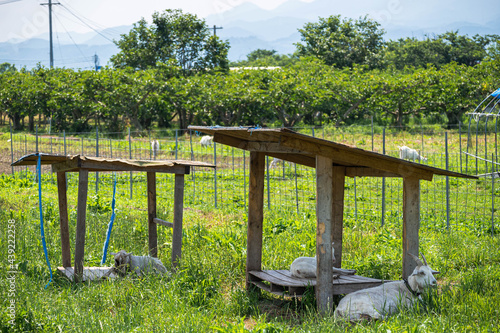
[[411, 223], [81, 213], [338, 212], [324, 234], [63, 219], [255, 214], [152, 227], [178, 215]]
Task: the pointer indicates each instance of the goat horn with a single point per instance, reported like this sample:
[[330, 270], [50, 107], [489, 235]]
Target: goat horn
[[418, 261], [425, 261]]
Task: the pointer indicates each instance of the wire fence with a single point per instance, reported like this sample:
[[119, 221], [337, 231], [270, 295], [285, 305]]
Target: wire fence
[[290, 188]]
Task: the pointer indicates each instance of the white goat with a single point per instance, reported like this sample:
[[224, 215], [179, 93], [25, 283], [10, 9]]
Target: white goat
[[305, 267], [384, 300], [206, 141], [139, 264], [155, 147], [407, 153], [274, 162]]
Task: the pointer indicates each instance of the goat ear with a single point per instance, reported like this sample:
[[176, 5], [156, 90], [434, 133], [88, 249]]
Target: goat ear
[[425, 261], [435, 272], [418, 261], [112, 253]]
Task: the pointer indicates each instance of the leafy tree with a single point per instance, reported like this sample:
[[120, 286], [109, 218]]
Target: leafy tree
[[439, 50], [6, 67], [266, 58], [342, 42], [175, 38]]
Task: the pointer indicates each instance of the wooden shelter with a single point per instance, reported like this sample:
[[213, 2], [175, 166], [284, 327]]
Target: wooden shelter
[[333, 162], [83, 165]]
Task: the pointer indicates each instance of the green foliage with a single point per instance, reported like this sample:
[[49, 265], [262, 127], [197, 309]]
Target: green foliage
[[176, 38], [342, 42]]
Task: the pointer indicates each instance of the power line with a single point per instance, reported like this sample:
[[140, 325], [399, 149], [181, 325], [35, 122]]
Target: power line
[[88, 25]]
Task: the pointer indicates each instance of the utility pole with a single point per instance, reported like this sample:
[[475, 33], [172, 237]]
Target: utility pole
[[215, 29], [96, 62], [50, 31]]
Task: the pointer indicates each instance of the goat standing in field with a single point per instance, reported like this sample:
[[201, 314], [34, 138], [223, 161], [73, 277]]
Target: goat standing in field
[[139, 264], [407, 153], [305, 267], [384, 300], [155, 147], [206, 141]]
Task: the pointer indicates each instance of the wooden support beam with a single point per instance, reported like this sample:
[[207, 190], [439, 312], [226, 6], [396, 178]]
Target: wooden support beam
[[255, 215], [63, 219], [163, 222], [178, 216], [338, 212], [411, 223], [349, 156], [81, 213], [324, 234], [152, 231], [368, 172]]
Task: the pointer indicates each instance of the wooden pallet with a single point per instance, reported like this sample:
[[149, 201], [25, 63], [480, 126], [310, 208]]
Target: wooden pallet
[[89, 273], [281, 282]]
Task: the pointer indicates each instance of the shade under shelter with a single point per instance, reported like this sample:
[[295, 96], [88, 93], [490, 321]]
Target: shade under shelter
[[333, 162], [85, 164]]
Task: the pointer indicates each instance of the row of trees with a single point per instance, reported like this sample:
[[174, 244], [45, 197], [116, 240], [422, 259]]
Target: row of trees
[[308, 92], [173, 72]]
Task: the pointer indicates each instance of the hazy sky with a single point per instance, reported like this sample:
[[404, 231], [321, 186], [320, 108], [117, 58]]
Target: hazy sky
[[28, 18]]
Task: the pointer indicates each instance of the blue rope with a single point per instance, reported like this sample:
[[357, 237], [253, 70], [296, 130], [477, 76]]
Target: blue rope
[[110, 225], [39, 173]]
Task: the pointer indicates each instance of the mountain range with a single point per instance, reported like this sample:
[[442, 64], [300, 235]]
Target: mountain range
[[248, 27]]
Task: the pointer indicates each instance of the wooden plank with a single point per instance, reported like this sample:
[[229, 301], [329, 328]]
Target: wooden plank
[[178, 216], [368, 172], [63, 219], [411, 223], [152, 226], [346, 288], [255, 214], [338, 212], [89, 273], [277, 278], [163, 222], [344, 155], [81, 213], [104, 166], [324, 236]]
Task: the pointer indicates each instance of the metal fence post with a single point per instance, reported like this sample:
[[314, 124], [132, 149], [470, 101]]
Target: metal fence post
[[97, 155], [383, 180], [215, 175], [268, 187], [64, 137], [36, 136], [176, 143], [296, 189], [447, 183], [11, 148], [130, 157], [493, 167], [372, 132]]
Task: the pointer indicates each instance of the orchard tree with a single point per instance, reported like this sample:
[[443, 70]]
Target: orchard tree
[[174, 37], [342, 42]]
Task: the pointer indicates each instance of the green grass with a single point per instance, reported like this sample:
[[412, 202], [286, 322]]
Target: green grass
[[208, 293]]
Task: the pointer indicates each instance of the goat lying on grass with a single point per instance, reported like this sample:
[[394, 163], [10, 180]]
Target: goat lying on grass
[[407, 153], [139, 264], [305, 267], [384, 300]]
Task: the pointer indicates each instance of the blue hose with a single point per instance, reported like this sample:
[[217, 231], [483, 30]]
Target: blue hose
[[39, 174], [110, 225]]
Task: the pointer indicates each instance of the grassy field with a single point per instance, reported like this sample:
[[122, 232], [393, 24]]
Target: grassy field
[[208, 293]]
